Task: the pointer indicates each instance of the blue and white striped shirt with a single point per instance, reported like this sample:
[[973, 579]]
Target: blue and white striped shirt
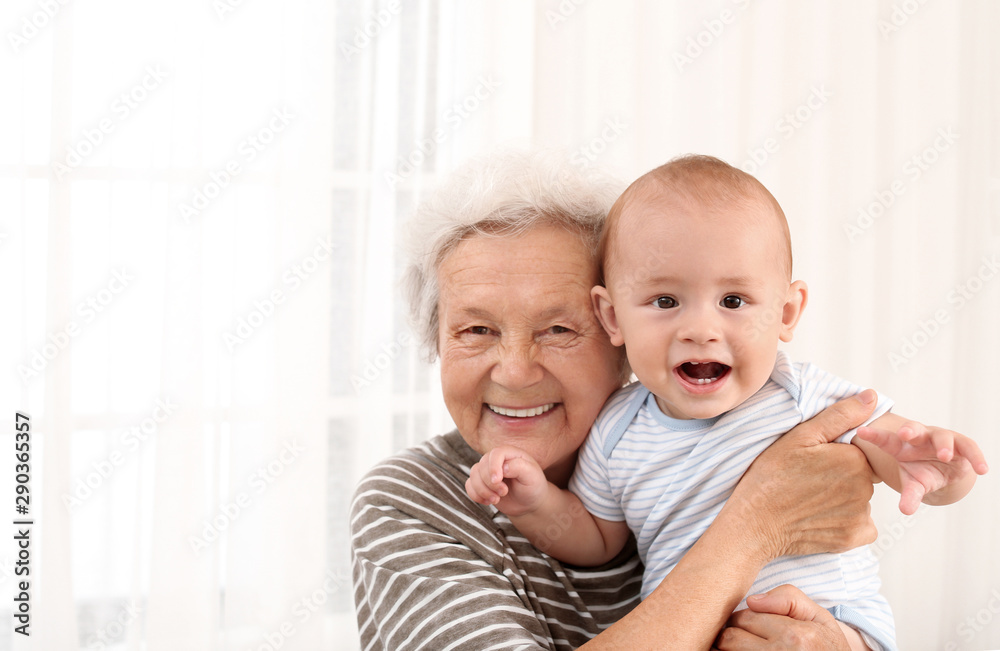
[[669, 478]]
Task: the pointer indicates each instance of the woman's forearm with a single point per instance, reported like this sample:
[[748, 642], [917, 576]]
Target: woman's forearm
[[693, 602]]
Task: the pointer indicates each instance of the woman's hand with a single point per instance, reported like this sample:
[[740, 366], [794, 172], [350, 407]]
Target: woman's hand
[[802, 496], [784, 618]]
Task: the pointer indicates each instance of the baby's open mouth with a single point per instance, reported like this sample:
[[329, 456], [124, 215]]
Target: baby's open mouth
[[702, 372]]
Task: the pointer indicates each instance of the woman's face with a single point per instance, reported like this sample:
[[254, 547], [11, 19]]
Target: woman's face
[[524, 361]]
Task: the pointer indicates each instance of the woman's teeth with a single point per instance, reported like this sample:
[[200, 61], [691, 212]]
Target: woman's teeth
[[521, 413]]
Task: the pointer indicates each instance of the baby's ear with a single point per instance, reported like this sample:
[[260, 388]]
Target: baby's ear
[[791, 312], [605, 311]]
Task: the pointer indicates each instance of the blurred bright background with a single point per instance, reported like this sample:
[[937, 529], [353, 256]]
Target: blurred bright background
[[199, 205]]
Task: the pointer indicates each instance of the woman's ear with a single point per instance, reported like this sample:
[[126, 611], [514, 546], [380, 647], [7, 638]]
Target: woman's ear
[[604, 308], [795, 304]]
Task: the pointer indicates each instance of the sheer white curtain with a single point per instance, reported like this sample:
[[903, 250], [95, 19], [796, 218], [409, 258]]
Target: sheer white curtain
[[876, 127], [171, 250], [198, 242]]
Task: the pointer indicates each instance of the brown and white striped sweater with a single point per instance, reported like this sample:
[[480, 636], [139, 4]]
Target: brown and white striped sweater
[[434, 570]]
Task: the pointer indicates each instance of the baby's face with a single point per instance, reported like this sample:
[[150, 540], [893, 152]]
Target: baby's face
[[700, 301]]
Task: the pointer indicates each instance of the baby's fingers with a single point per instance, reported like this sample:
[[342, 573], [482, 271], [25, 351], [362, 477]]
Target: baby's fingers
[[494, 471], [487, 478], [884, 439], [943, 441], [966, 447], [913, 432], [911, 496], [478, 491], [524, 470]]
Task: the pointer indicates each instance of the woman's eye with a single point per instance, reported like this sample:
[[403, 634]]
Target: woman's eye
[[665, 303], [559, 330], [733, 302], [478, 330]]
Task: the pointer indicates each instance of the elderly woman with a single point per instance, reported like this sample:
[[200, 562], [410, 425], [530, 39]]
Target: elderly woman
[[499, 280]]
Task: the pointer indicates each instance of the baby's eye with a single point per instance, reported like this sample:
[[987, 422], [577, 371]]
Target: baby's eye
[[733, 302], [665, 302]]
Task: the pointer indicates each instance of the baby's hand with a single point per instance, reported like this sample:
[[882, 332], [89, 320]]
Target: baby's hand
[[930, 459], [509, 478]]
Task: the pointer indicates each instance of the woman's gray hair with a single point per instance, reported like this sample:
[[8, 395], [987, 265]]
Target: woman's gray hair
[[503, 194]]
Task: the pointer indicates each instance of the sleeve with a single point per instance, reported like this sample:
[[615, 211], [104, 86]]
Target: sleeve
[[417, 587], [876, 631], [819, 389], [591, 481]]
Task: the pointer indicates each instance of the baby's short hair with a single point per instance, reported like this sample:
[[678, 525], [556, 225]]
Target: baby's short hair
[[694, 178]]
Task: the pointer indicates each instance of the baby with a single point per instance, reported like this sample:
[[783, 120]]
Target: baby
[[697, 286]]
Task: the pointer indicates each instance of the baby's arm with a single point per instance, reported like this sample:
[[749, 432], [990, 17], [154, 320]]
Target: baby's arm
[[929, 464], [553, 519]]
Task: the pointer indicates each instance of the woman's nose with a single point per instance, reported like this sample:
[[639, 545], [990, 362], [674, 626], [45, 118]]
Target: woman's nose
[[517, 365]]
